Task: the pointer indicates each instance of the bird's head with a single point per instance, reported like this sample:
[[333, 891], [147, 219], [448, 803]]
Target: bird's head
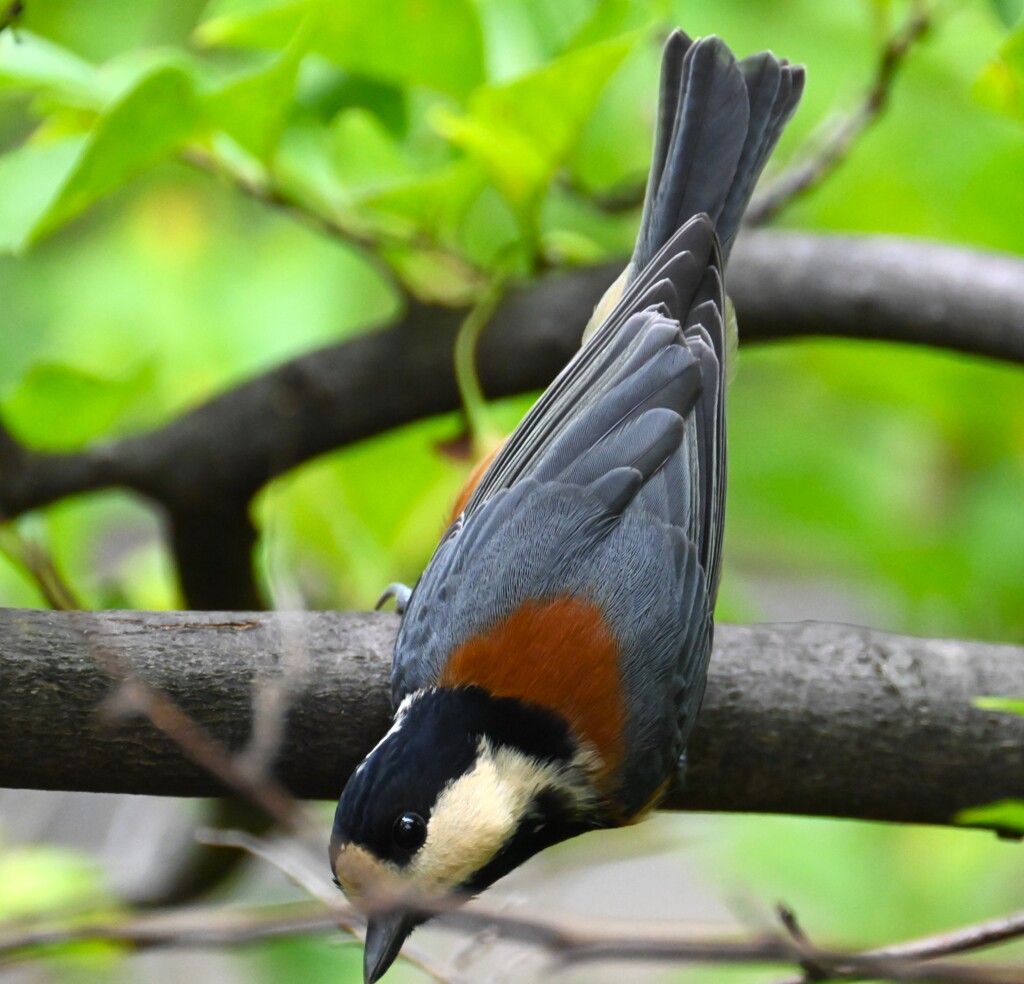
[[462, 789]]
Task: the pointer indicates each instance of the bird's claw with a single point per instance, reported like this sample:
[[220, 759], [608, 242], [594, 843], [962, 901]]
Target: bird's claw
[[400, 592]]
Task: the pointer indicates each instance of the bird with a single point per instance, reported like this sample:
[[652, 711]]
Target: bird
[[552, 657]]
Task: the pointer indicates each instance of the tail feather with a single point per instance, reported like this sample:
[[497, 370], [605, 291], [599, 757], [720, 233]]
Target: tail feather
[[719, 120]]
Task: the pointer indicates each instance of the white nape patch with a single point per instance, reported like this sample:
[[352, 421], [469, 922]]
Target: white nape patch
[[396, 726]]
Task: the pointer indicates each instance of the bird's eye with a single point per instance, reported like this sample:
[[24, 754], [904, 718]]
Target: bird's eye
[[409, 832]]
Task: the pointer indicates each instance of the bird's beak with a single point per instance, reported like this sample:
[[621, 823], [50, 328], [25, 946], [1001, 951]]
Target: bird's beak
[[385, 935]]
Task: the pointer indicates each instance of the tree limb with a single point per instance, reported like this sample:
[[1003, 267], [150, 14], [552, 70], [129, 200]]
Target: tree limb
[[805, 718], [882, 288], [205, 466]]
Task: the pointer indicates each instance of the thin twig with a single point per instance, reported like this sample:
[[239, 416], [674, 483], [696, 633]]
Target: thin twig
[[273, 697], [811, 970], [966, 939], [590, 941], [202, 927], [269, 192], [568, 941], [286, 860], [135, 696], [266, 192], [801, 178], [35, 559], [301, 875]]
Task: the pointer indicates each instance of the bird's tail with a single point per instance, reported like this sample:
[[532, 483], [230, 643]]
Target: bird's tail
[[718, 121]]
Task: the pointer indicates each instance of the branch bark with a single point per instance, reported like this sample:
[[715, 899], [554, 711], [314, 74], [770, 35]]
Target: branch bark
[[205, 466], [805, 718]]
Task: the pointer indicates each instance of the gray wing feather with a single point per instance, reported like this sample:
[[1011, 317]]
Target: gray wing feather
[[718, 123]]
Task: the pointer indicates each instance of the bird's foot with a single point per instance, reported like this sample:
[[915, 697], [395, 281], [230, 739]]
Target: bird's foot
[[400, 592]]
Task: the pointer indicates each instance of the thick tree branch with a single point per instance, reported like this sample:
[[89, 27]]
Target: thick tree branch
[[878, 287], [205, 466], [808, 718]]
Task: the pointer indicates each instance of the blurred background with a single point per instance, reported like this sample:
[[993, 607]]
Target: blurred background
[[870, 483]]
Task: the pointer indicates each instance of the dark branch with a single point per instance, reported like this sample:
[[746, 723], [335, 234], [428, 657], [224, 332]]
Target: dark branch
[[205, 466], [789, 285], [807, 719]]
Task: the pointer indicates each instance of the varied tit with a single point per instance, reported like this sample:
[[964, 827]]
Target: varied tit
[[552, 657]]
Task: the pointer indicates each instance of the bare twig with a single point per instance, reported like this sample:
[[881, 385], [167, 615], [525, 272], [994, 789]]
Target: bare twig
[[134, 696], [801, 178], [811, 970], [37, 562], [201, 927], [568, 941], [293, 864], [965, 939], [301, 874], [370, 241], [273, 696]]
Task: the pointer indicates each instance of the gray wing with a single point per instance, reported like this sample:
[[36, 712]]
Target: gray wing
[[620, 463], [663, 345]]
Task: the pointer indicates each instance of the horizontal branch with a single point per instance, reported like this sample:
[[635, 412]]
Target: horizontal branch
[[804, 718], [205, 466], [784, 285], [879, 287]]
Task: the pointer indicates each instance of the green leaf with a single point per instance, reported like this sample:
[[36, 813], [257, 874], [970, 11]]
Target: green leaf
[[522, 131], [1009, 11], [253, 107], [32, 177], [612, 18], [1003, 815], [365, 153], [59, 407], [34, 64], [251, 23], [391, 40], [435, 202], [1011, 705], [141, 129], [42, 879], [1001, 83]]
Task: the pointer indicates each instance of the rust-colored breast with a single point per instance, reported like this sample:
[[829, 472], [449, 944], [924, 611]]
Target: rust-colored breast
[[557, 653]]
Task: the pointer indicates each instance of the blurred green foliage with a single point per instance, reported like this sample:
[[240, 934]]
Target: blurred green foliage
[[444, 140]]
